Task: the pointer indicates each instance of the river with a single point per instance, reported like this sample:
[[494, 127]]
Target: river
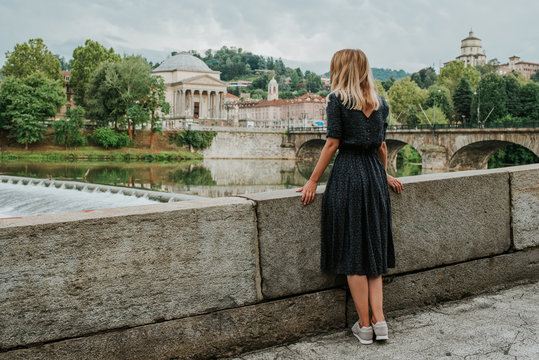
[[208, 178]]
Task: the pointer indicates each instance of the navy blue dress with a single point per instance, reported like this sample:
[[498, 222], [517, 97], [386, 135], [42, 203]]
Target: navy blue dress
[[356, 210]]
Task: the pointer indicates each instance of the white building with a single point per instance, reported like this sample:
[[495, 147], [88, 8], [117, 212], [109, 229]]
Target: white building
[[471, 52], [194, 91]]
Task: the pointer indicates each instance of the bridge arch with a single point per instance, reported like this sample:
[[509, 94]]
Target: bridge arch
[[393, 148], [476, 155], [310, 149]]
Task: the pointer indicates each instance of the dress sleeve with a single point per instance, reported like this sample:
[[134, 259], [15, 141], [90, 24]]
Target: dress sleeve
[[334, 118]]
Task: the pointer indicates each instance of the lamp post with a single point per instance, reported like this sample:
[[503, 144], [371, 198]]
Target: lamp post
[[433, 110], [478, 103]]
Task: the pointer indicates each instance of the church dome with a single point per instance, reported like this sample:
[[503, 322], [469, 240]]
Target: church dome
[[183, 61], [273, 82]]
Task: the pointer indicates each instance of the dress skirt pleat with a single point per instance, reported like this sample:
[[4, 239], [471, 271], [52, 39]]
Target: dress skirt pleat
[[356, 216]]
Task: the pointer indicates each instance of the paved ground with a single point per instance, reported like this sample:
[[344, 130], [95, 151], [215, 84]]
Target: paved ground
[[500, 325]]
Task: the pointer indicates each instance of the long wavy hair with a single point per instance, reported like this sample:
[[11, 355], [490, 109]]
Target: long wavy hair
[[352, 80]]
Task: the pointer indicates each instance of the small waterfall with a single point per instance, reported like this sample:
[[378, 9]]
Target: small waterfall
[[25, 196]]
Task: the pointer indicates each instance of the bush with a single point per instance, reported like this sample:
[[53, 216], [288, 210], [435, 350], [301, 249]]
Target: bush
[[195, 138], [108, 138]]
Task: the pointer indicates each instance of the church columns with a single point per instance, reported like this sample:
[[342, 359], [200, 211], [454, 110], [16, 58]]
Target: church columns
[[218, 105], [214, 105], [192, 103]]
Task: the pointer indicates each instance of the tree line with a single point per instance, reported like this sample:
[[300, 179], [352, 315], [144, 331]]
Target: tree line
[[473, 96], [118, 94], [237, 64]]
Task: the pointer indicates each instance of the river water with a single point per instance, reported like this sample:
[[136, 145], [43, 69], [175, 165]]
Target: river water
[[207, 178]]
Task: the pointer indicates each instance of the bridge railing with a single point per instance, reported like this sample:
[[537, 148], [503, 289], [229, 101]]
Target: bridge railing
[[481, 125]]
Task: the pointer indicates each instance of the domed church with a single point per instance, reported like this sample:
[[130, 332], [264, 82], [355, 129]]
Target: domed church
[[195, 92]]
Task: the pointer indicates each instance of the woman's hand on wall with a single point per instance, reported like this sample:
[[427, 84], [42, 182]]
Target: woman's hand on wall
[[309, 190], [395, 184]]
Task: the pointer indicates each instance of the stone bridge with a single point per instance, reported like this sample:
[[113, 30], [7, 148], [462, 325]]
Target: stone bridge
[[439, 149]]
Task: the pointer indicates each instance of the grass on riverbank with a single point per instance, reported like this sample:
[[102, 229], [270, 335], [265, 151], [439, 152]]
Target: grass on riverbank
[[99, 155], [139, 150]]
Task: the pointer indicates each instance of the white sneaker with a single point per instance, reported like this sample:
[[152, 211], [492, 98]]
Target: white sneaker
[[363, 334], [380, 330]]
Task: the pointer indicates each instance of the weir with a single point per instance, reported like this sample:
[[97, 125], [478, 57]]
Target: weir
[[216, 277], [21, 196]]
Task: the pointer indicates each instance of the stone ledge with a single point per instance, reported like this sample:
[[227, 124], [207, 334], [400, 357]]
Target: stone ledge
[[66, 279], [120, 212], [439, 219], [525, 205], [223, 333]]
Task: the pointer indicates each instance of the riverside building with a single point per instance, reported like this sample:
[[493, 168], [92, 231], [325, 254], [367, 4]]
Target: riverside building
[[195, 92], [307, 110]]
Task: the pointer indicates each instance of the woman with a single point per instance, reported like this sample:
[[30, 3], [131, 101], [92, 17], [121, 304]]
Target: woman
[[357, 239]]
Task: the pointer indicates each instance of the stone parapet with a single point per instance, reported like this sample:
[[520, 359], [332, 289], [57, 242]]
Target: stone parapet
[[120, 268], [214, 277], [525, 206]]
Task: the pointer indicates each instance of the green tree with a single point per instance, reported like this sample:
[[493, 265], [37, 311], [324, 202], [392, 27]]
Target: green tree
[[425, 78], [490, 67], [69, 132], [30, 58], [155, 105], [313, 81], [64, 65], [451, 74], [85, 61], [433, 115], [535, 77], [462, 100], [102, 100], [529, 99], [439, 96], [512, 155], [405, 98], [387, 84], [380, 88], [491, 99], [125, 94], [512, 89], [27, 103]]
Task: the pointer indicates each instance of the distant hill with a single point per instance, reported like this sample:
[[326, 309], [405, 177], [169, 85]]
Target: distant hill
[[385, 74]]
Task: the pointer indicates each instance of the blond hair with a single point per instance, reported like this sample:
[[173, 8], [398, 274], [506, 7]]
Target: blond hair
[[352, 80]]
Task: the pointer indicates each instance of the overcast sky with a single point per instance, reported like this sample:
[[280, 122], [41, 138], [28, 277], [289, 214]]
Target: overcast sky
[[396, 34]]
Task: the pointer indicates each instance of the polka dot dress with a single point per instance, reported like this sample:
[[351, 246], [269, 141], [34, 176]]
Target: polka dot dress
[[356, 209]]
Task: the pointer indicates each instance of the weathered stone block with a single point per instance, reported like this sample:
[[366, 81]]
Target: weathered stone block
[[525, 205], [67, 275], [222, 333], [289, 240], [447, 218], [454, 281]]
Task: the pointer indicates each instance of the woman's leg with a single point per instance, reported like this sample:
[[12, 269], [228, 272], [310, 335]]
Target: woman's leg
[[359, 288], [376, 298]]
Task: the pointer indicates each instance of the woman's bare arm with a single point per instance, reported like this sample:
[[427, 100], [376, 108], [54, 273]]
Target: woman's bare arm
[[309, 189], [395, 184]]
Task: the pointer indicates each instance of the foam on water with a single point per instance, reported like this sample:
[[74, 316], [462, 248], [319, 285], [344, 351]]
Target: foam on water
[[24, 200]]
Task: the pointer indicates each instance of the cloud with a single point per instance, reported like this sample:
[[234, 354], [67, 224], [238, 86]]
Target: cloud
[[394, 34]]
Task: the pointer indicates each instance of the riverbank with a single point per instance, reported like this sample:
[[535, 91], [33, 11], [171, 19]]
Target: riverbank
[[138, 150], [96, 154]]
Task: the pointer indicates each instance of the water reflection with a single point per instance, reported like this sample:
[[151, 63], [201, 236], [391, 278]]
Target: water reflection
[[211, 178]]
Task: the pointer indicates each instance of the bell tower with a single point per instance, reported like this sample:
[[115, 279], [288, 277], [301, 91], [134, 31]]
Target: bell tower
[[273, 90]]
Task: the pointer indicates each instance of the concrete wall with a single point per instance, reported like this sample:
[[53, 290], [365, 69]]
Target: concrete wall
[[206, 278], [249, 145]]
